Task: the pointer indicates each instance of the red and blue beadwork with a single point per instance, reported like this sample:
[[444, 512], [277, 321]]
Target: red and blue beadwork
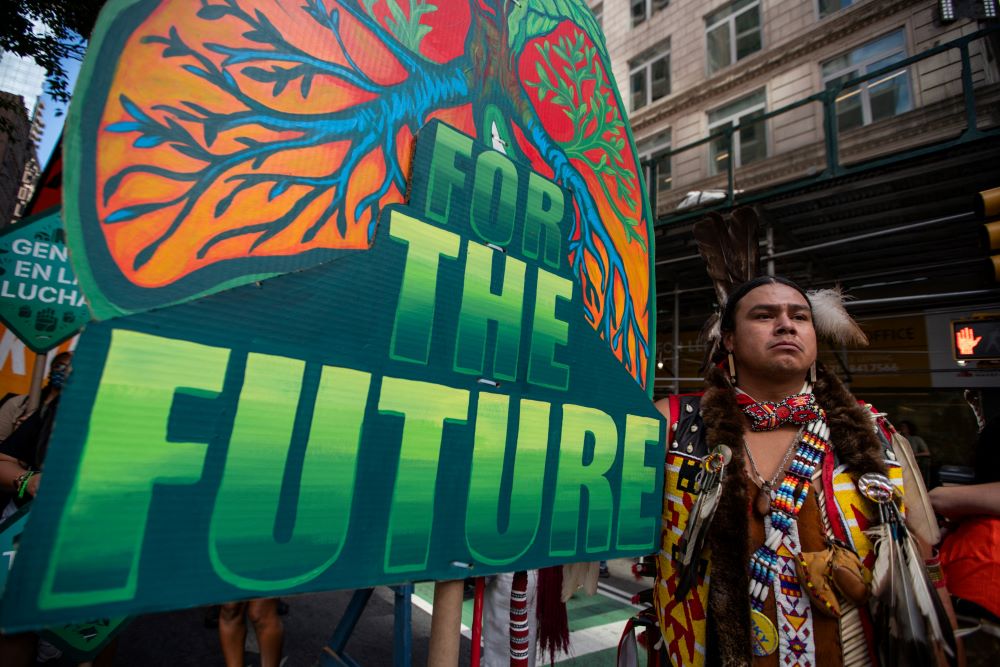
[[796, 409]]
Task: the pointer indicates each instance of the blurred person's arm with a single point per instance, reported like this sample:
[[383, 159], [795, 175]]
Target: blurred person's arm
[[967, 500], [16, 455]]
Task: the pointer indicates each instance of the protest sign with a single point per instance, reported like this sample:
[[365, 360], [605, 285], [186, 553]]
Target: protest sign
[[40, 300], [377, 295]]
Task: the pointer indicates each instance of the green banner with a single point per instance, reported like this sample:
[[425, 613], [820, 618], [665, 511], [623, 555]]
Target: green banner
[[435, 408], [39, 297], [78, 641]]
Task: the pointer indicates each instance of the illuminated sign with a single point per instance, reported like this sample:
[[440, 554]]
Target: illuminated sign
[[976, 339]]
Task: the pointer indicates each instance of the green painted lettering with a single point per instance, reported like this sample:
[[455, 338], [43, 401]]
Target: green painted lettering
[[101, 531], [241, 536], [543, 210], [480, 305], [487, 541], [426, 244], [636, 531], [445, 177], [574, 474], [425, 407], [496, 179], [547, 332]]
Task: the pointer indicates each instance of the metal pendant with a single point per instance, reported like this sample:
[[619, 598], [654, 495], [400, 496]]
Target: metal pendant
[[765, 637]]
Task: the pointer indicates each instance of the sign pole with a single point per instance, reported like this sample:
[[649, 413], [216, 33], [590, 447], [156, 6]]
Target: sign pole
[[37, 375], [446, 624]]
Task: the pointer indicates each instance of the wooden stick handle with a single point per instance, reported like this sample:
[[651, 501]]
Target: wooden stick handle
[[446, 624], [37, 376]]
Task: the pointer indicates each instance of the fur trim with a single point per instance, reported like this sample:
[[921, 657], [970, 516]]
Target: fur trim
[[855, 444], [852, 431], [831, 319], [728, 597]]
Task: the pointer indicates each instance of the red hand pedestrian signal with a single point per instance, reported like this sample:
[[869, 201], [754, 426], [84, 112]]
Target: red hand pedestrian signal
[[966, 340]]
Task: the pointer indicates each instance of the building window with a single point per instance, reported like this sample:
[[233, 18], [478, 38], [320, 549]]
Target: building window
[[642, 10], [654, 152], [876, 99], [827, 7], [733, 32], [749, 139], [649, 76]]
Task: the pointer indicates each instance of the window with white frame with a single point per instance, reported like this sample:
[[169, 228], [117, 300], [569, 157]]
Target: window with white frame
[[827, 7], [654, 156], [749, 138], [649, 76], [875, 99], [733, 32], [643, 10]]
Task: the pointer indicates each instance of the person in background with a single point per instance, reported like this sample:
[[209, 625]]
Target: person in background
[[22, 457], [919, 446], [970, 551], [22, 452], [270, 631]]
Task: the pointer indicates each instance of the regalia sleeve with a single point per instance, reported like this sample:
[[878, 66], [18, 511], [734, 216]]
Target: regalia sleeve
[[682, 621]]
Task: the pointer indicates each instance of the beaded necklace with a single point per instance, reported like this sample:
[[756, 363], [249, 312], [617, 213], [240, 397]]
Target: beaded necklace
[[779, 526]]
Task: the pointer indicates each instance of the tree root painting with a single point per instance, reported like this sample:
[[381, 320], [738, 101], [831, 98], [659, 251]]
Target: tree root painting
[[220, 142]]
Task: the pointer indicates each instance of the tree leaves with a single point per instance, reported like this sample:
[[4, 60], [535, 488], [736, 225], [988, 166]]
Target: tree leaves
[[406, 25], [581, 89], [540, 17], [282, 76]]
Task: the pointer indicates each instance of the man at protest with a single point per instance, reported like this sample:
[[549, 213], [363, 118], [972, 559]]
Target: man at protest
[[794, 470]]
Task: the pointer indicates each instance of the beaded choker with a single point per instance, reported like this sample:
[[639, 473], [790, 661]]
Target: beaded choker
[[795, 409]]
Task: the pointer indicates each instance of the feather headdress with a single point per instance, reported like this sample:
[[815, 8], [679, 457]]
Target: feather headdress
[[831, 320], [731, 250]]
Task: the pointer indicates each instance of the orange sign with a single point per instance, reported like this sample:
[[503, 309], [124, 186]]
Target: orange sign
[[17, 361]]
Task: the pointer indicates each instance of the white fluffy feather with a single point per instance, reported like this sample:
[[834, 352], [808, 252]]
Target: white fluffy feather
[[879, 535], [831, 320]]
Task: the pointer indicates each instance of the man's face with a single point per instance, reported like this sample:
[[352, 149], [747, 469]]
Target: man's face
[[774, 335]]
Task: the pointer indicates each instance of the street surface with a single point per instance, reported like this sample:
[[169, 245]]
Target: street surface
[[180, 638]]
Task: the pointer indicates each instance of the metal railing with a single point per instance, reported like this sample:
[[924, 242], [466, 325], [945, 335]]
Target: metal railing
[[833, 167]]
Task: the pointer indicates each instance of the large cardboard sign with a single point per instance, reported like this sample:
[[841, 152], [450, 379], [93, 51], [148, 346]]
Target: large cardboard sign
[[39, 297], [469, 416], [376, 288]]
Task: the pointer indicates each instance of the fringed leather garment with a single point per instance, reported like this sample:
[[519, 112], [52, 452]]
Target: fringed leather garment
[[711, 624]]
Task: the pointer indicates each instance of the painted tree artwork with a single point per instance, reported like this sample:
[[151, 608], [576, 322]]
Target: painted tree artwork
[[241, 139]]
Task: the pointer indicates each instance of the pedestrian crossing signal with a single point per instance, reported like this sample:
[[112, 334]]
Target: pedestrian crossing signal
[[976, 340]]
